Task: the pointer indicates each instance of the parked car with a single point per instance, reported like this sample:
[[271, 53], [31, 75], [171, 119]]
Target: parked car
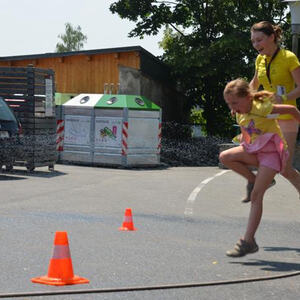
[[10, 132]]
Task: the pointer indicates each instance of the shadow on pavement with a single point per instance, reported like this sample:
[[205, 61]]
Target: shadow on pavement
[[146, 168], [279, 249], [35, 173], [7, 177], [268, 265]]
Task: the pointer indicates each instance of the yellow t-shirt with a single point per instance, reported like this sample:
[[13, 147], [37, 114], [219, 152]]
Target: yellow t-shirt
[[280, 74], [255, 123]]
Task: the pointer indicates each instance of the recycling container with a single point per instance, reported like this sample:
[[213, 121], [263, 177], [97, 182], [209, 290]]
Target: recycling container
[[78, 116], [115, 130]]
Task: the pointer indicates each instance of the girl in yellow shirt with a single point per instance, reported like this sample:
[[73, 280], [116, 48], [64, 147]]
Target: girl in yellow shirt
[[278, 70], [263, 145]]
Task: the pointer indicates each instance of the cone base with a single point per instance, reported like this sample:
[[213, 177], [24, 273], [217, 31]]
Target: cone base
[[127, 229], [58, 281]]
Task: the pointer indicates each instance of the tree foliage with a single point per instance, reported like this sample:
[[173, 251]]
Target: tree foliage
[[206, 43], [72, 40]]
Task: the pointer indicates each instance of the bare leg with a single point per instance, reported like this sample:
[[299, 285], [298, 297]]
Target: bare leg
[[291, 174], [247, 244], [264, 177], [238, 160]]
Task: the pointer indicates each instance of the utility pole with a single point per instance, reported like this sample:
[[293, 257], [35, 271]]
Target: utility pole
[[295, 22]]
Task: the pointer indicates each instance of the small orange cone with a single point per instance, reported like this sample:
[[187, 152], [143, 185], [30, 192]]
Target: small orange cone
[[60, 271], [128, 222]]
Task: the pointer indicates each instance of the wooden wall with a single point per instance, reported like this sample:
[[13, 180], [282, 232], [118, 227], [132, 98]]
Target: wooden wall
[[83, 73]]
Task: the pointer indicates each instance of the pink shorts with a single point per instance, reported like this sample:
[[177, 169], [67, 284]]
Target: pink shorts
[[269, 157], [270, 151], [288, 125]]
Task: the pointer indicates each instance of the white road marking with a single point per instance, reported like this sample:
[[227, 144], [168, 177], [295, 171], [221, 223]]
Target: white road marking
[[193, 195]]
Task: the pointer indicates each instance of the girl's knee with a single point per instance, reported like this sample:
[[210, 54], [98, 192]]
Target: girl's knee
[[225, 156], [221, 157], [285, 173], [289, 173]]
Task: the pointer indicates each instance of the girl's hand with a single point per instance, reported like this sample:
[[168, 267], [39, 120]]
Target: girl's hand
[[278, 99]]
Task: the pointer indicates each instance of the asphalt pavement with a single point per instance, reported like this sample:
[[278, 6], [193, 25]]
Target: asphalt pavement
[[186, 219]]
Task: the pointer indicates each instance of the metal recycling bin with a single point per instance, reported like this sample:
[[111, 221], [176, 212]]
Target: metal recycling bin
[[78, 117], [116, 130]]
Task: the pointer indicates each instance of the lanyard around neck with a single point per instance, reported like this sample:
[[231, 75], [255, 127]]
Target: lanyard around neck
[[268, 65]]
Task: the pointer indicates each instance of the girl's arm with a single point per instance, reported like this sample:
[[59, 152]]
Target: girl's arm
[[254, 82], [295, 93], [286, 109]]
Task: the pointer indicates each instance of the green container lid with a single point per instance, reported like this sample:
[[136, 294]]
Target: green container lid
[[61, 98], [130, 101]]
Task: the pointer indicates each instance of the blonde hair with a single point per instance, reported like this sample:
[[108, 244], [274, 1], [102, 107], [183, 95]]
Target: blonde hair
[[268, 29], [241, 88]]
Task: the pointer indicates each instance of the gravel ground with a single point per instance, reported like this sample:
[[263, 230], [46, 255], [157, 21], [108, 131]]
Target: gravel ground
[[180, 149], [202, 151]]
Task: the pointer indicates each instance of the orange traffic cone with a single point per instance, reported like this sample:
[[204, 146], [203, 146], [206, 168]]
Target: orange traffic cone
[[128, 222], [60, 271]]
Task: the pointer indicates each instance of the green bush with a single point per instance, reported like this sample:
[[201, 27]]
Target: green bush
[[196, 118]]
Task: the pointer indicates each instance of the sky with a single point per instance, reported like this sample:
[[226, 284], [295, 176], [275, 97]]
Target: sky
[[33, 26]]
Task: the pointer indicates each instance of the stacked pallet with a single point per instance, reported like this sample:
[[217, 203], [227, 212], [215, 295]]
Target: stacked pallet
[[29, 92]]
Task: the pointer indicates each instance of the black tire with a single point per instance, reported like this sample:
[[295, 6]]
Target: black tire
[[30, 168], [9, 168]]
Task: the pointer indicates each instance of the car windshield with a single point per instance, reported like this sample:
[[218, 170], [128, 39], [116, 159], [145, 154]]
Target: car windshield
[[5, 113]]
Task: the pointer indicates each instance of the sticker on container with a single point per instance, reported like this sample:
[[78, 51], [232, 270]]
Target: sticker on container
[[108, 132], [77, 130]]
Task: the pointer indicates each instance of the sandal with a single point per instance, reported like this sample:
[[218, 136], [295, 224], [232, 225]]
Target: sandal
[[242, 248], [250, 188]]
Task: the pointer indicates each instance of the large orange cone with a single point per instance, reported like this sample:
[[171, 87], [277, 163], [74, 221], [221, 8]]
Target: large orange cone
[[60, 271], [128, 222]]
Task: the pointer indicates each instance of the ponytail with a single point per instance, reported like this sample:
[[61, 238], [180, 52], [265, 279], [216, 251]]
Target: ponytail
[[241, 88], [263, 96]]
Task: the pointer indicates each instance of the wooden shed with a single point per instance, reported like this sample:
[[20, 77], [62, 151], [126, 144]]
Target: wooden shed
[[125, 70]]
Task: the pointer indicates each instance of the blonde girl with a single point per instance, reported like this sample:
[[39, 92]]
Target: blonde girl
[[263, 146]]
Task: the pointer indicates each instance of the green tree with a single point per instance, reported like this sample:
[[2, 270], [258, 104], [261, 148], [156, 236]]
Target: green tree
[[206, 44], [72, 40]]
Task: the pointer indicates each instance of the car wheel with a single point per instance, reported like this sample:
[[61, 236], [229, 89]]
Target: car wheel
[[30, 168], [9, 168]]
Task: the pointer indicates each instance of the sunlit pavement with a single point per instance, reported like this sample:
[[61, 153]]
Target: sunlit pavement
[[168, 246]]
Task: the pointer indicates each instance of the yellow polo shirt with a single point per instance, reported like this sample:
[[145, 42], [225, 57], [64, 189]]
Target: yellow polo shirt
[[255, 123], [280, 73]]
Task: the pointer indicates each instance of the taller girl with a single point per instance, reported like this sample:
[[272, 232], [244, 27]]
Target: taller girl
[[278, 70]]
